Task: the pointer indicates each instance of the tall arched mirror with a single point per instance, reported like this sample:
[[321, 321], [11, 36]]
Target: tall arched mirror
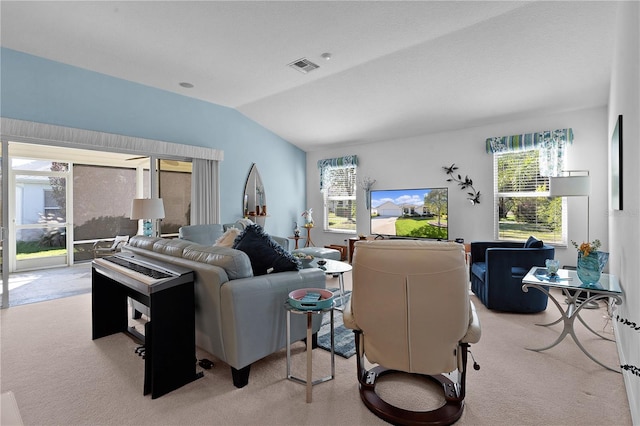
[[254, 200]]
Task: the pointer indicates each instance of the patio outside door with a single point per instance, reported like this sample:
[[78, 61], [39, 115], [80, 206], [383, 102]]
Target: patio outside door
[[40, 214]]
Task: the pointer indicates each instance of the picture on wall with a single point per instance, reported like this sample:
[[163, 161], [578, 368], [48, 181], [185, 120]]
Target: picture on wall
[[616, 166]]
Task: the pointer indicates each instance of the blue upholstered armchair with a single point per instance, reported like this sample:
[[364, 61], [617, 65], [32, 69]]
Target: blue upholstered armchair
[[497, 270]]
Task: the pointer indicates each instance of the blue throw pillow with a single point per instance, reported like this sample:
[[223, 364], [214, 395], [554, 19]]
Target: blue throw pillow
[[264, 253], [533, 242]]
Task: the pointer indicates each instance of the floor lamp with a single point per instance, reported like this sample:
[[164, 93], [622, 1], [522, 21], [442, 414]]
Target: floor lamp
[[150, 210], [573, 183]]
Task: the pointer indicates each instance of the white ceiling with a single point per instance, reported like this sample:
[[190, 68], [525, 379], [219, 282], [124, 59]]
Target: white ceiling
[[399, 68]]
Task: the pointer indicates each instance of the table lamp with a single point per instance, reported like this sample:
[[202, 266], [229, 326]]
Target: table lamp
[[148, 209]]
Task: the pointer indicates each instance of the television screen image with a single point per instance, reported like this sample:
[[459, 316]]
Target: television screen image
[[410, 213]]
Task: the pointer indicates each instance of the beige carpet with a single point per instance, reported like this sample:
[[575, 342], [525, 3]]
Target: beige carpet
[[59, 376]]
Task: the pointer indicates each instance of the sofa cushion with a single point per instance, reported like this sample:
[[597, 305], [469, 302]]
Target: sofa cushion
[[227, 239], [235, 263], [143, 242], [173, 247], [205, 234], [264, 252], [533, 242]]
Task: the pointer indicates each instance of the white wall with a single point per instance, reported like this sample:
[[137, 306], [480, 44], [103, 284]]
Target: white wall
[[624, 225], [419, 162]]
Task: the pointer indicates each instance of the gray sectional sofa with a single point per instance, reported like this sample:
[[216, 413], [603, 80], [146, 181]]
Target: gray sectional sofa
[[240, 318]]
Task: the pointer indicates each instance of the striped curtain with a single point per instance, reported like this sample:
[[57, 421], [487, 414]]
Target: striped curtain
[[334, 163], [549, 143]]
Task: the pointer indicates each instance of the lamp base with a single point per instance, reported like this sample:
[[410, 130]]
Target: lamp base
[[147, 228]]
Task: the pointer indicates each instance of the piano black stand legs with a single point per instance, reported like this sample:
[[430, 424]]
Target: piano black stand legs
[[169, 337]]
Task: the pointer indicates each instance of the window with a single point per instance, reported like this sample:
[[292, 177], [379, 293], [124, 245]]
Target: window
[[338, 186], [523, 206], [175, 191]]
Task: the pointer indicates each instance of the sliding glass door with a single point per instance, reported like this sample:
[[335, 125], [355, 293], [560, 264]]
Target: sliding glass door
[[62, 201], [4, 218]]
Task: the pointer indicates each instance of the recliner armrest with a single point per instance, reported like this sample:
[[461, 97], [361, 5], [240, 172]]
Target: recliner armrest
[[474, 331], [347, 317]]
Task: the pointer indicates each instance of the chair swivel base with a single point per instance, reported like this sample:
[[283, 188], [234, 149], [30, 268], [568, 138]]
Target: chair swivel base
[[447, 414]]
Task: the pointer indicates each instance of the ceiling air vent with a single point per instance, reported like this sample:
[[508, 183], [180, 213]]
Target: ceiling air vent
[[303, 65]]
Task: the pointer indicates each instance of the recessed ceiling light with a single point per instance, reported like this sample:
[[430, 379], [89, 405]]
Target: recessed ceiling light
[[186, 85], [326, 56]]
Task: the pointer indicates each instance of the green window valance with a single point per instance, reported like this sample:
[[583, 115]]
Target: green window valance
[[334, 163], [550, 144], [527, 141]]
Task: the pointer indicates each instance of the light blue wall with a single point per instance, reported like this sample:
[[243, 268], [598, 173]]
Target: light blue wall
[[44, 91]]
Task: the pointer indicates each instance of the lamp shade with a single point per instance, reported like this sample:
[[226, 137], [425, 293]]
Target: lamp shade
[[569, 186], [147, 208]]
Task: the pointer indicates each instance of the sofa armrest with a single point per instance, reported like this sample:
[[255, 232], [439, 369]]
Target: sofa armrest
[[479, 248], [253, 314]]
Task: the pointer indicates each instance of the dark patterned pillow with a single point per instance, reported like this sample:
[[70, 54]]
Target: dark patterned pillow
[[264, 253], [533, 242]]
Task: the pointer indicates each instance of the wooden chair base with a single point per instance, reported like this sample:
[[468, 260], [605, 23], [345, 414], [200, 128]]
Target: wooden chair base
[[447, 414]]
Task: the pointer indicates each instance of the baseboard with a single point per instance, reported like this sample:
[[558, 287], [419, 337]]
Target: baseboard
[[631, 381]]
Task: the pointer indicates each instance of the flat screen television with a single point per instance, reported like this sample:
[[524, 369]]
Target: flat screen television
[[410, 213]]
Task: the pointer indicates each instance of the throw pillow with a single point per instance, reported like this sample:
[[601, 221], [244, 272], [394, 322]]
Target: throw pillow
[[227, 239], [533, 242], [264, 253]]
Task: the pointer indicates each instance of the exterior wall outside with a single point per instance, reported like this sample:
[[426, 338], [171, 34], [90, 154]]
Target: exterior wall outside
[[30, 204], [624, 225]]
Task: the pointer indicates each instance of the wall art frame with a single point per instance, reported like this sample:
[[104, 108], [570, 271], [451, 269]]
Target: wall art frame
[[615, 175]]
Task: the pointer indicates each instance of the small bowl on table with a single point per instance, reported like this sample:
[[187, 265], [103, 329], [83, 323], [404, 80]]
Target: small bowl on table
[[304, 259]]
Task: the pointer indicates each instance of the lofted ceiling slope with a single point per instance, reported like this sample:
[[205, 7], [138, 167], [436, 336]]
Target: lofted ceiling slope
[[397, 69]]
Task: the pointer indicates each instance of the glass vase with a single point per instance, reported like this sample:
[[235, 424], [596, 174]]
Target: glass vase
[[590, 267]]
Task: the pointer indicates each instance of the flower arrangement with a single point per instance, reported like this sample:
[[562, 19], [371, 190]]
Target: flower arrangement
[[308, 218], [366, 184], [587, 248], [260, 192]]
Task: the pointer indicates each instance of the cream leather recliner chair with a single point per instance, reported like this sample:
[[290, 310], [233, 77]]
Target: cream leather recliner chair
[[411, 313]]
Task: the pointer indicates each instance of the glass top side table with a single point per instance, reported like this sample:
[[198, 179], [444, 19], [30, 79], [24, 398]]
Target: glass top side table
[[567, 280]]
